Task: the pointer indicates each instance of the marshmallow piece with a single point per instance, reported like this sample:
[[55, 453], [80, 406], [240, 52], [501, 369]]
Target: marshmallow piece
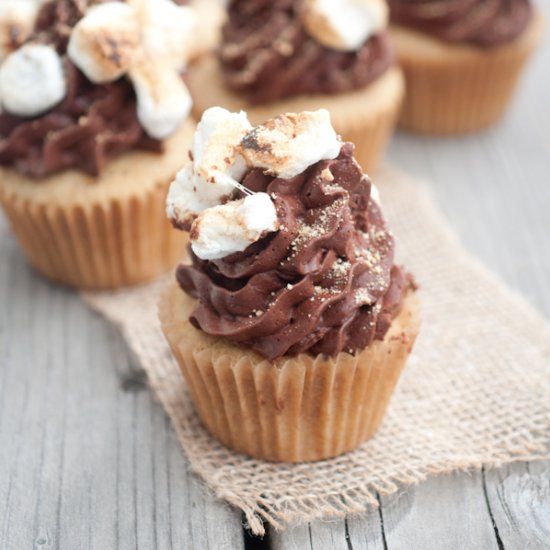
[[167, 29], [32, 80], [232, 227], [105, 41], [211, 16], [189, 195], [163, 101], [216, 143], [17, 19], [344, 24], [216, 168], [288, 144], [375, 194]]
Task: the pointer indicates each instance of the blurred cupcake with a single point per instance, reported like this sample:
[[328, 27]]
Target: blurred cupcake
[[211, 16], [94, 117], [461, 58], [292, 324], [282, 56]]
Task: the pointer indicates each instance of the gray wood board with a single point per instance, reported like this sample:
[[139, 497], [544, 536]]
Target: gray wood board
[[88, 458]]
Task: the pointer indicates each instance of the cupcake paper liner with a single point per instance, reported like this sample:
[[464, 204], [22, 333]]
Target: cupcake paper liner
[[97, 246], [100, 233], [365, 117], [455, 89], [296, 409]]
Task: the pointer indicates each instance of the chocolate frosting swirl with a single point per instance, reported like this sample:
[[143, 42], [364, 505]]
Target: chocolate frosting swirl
[[266, 54], [324, 283], [483, 23], [92, 124]]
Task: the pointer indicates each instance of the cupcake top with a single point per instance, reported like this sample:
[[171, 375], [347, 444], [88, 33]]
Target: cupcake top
[[290, 251], [85, 80], [272, 49], [482, 23]]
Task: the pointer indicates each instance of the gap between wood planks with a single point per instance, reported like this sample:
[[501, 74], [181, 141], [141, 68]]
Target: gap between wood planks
[[252, 542]]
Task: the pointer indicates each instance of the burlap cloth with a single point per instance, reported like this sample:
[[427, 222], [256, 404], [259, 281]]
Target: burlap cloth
[[476, 390]]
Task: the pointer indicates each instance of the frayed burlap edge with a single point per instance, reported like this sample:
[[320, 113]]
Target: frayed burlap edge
[[475, 392]]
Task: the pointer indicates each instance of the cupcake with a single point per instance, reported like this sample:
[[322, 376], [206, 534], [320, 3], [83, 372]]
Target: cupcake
[[95, 114], [282, 56], [462, 59], [210, 17], [292, 322]]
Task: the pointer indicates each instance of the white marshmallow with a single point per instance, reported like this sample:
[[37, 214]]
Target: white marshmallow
[[215, 147], [184, 201], [288, 144], [167, 29], [105, 41], [163, 100], [344, 24], [217, 166], [375, 194], [211, 16], [189, 195], [32, 80], [17, 19], [232, 227]]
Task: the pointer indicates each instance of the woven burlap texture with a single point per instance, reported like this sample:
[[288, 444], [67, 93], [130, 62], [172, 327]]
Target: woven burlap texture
[[476, 390]]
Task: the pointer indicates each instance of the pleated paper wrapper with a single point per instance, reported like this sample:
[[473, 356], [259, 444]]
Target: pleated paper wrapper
[[476, 390], [106, 244], [458, 89]]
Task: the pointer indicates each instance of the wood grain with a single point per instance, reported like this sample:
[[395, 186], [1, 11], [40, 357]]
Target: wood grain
[[88, 458]]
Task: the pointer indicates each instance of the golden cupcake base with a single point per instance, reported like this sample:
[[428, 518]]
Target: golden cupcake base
[[365, 117], [455, 89], [99, 233], [298, 409]]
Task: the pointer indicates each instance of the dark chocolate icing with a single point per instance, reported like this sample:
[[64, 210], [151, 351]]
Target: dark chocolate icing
[[324, 283], [266, 54], [483, 23], [91, 125]]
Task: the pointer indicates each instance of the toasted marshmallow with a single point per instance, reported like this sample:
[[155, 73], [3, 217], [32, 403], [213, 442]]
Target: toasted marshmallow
[[288, 144], [375, 194], [105, 41], [167, 29], [216, 145], [232, 227], [344, 24], [189, 195], [17, 19], [32, 80], [163, 100], [216, 169]]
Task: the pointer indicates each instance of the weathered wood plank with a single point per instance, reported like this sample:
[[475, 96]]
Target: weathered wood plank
[[519, 499], [352, 533], [88, 459], [451, 510], [368, 531]]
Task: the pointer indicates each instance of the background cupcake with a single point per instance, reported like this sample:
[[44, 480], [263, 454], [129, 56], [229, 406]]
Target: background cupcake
[[94, 119], [211, 16], [461, 58], [286, 56], [292, 324]]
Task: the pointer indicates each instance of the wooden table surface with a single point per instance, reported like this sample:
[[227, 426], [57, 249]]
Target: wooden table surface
[[88, 458]]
